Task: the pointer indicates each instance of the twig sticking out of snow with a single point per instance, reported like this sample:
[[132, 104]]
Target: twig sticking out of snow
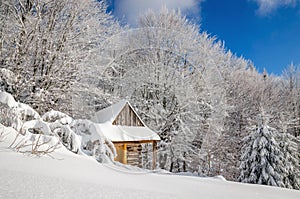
[[38, 145]]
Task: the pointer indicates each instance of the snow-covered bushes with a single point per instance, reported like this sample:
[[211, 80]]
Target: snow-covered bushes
[[68, 138], [36, 127], [80, 135], [93, 141], [7, 80], [36, 144], [42, 135], [15, 113], [56, 116], [59, 123]]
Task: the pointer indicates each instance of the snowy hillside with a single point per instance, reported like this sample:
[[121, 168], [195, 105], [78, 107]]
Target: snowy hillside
[[62, 63], [67, 175]]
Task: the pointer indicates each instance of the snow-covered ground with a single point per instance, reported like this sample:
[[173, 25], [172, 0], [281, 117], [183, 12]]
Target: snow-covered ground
[[67, 175]]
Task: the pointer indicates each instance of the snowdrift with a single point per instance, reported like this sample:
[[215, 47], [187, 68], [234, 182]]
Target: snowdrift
[[68, 175]]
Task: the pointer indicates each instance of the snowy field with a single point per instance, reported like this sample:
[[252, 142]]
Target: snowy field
[[67, 175]]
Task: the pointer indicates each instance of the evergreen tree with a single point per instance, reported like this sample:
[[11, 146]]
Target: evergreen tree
[[262, 159], [289, 147]]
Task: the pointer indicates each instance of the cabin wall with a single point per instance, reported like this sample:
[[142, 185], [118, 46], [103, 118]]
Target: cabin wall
[[133, 154], [129, 154], [121, 150], [127, 117]]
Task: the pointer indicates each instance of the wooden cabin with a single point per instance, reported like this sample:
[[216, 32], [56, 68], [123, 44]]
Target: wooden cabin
[[121, 124]]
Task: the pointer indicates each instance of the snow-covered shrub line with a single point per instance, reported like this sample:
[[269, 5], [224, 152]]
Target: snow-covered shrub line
[[42, 135]]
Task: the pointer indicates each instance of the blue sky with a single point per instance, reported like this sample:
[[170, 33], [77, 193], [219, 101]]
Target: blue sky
[[264, 31]]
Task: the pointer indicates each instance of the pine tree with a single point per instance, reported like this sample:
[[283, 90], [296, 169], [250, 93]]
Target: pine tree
[[262, 159], [289, 147]]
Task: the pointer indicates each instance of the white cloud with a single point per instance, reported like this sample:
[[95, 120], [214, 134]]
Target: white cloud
[[266, 7], [131, 9]]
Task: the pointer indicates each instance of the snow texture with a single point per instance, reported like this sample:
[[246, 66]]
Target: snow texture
[[53, 116], [68, 175], [24, 109], [7, 99], [117, 133], [37, 127]]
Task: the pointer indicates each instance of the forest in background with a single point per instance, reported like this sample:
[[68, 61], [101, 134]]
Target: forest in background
[[215, 113]]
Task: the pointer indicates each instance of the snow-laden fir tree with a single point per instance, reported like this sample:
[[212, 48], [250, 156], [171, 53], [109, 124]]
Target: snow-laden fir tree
[[289, 147], [261, 159]]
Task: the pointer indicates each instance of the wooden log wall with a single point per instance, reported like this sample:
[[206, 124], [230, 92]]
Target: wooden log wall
[[134, 155]]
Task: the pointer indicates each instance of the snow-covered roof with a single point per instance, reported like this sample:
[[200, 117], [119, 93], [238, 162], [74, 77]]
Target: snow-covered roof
[[109, 114], [117, 133]]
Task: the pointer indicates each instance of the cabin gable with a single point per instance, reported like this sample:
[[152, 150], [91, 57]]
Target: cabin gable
[[127, 117]]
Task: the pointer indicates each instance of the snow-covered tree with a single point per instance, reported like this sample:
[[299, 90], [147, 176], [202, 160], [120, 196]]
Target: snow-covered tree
[[175, 78], [290, 148], [262, 159], [44, 43], [291, 98], [151, 67], [242, 97]]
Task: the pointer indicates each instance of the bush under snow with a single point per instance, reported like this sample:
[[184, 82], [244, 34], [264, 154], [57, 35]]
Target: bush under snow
[[93, 141], [41, 135], [15, 113]]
